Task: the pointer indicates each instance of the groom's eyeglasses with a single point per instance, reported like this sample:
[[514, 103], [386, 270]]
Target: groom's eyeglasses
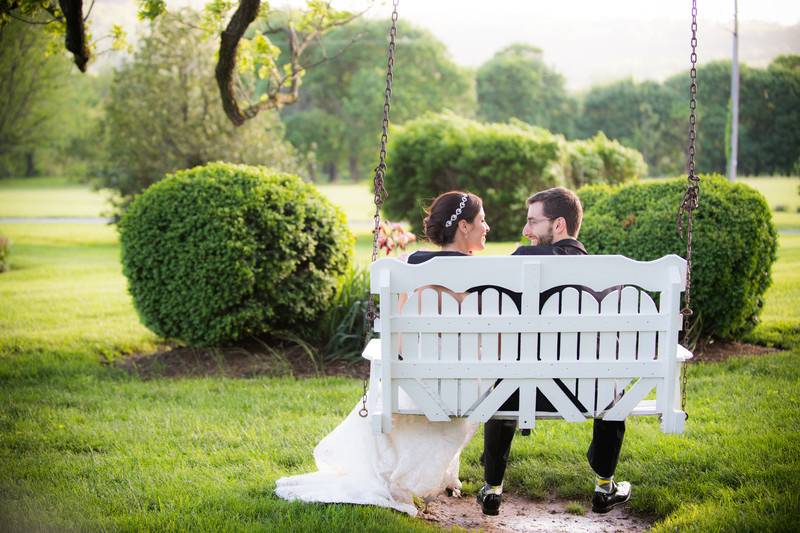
[[534, 221]]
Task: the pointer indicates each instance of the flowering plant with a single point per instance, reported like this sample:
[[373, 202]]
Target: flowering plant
[[392, 236]]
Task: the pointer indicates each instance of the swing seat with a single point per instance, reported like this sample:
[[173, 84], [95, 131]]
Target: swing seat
[[594, 335]]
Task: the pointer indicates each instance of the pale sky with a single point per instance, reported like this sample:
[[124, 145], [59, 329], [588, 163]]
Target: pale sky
[[588, 41]]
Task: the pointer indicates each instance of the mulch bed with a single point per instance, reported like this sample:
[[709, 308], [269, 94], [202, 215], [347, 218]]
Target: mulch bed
[[254, 359], [720, 351], [242, 361]]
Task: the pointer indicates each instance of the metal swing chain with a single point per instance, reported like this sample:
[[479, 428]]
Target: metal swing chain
[[691, 198], [380, 189]]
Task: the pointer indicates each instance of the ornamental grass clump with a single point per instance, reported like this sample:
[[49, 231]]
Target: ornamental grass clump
[[734, 246], [221, 252]]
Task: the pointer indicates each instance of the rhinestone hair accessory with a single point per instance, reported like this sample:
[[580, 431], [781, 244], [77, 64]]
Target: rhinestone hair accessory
[[455, 215]]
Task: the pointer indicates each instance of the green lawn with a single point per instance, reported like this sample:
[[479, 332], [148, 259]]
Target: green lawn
[[86, 446], [58, 197], [781, 193], [50, 197]]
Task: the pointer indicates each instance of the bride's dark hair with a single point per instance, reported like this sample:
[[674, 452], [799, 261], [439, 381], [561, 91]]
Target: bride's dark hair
[[442, 209]]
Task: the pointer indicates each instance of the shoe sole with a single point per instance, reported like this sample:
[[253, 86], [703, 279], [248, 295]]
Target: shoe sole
[[488, 512], [604, 510]]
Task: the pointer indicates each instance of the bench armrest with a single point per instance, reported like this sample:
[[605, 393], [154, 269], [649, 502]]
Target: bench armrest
[[373, 350], [683, 354]]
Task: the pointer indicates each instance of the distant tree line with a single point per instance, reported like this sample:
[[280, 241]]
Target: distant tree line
[[339, 113], [160, 111]]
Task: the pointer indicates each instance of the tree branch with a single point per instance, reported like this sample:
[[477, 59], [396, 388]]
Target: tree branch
[[75, 40], [244, 15]]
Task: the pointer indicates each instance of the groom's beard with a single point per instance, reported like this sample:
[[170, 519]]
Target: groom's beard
[[546, 239]]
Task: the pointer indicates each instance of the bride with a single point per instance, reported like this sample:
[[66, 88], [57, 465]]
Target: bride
[[418, 458]]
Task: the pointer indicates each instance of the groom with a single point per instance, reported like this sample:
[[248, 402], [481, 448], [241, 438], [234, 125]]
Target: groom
[[554, 220]]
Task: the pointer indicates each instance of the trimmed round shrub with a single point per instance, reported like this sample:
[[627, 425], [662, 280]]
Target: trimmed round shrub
[[734, 246], [220, 252], [501, 163]]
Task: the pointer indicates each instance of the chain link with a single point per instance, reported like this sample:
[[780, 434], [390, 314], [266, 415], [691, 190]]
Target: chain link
[[380, 189], [691, 198]]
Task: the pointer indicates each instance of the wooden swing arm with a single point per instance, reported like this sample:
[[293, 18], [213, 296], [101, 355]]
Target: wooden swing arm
[[228, 82]]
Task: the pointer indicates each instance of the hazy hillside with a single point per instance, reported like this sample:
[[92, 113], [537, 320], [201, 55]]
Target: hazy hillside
[[586, 52]]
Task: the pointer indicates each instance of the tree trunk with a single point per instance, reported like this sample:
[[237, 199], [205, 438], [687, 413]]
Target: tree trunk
[[355, 173], [30, 165], [312, 171], [331, 171]]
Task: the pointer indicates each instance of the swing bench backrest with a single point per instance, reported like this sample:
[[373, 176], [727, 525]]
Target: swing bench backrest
[[593, 334]]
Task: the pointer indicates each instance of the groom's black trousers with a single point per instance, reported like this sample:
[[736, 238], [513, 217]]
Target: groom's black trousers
[[603, 452]]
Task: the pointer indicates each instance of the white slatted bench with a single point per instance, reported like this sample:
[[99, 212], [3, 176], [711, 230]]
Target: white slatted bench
[[600, 324]]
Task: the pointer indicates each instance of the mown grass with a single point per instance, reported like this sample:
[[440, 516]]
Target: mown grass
[[783, 197], [50, 197], [780, 320], [85, 445]]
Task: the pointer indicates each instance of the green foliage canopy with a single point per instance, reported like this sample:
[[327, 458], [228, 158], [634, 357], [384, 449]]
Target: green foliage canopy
[[516, 83], [341, 101], [163, 114], [653, 118], [30, 97]]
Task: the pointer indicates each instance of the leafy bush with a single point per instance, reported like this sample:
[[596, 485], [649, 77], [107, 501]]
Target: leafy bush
[[5, 250], [592, 194], [502, 163], [220, 252], [735, 243], [601, 160]]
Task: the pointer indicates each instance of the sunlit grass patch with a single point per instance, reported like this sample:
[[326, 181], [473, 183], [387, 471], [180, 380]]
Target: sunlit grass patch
[[50, 197]]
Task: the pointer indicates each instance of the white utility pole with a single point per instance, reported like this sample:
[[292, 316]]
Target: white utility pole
[[734, 95]]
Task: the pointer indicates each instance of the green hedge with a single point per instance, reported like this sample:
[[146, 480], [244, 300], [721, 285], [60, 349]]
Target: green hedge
[[502, 163], [601, 160], [735, 243], [220, 252]]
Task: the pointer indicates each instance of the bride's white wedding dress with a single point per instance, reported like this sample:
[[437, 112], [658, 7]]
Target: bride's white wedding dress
[[418, 458]]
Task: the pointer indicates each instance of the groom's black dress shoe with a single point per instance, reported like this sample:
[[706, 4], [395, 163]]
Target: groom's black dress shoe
[[490, 503], [603, 503]]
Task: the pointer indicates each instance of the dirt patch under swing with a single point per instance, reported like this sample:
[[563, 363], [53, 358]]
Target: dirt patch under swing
[[522, 515]]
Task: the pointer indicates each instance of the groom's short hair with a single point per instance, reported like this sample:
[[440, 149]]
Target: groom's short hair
[[561, 202]]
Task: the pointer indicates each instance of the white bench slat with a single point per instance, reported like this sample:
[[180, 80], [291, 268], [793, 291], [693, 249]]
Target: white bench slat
[[597, 272], [628, 305], [470, 348], [526, 369], [448, 346], [509, 342], [568, 351], [606, 388], [588, 352], [631, 399], [453, 323], [429, 342]]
